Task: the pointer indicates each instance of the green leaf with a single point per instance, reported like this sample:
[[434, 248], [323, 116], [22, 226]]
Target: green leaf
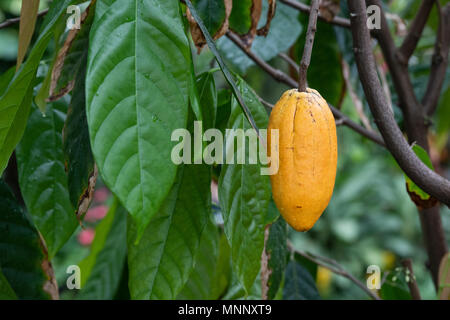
[[244, 195], [222, 276], [78, 156], [200, 285], [28, 16], [272, 214], [223, 109], [240, 19], [15, 101], [325, 62], [207, 98], [395, 287], [6, 292], [21, 254], [162, 261], [137, 94], [299, 285], [278, 252], [101, 271], [277, 40], [212, 13], [42, 177], [412, 187]]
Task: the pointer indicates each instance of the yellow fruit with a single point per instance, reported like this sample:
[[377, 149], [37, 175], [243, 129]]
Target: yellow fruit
[[307, 157]]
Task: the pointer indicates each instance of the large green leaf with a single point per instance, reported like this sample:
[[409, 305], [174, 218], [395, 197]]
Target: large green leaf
[[42, 177], [101, 271], [245, 194], [299, 285], [79, 160], [162, 261], [277, 40], [15, 101], [137, 89], [21, 253], [277, 251], [200, 285]]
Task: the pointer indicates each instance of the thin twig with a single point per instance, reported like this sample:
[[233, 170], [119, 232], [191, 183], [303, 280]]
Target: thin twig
[[309, 42], [14, 21], [415, 32], [412, 284], [428, 180], [342, 22], [333, 266], [282, 77]]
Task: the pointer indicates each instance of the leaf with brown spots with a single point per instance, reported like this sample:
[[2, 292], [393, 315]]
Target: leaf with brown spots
[[79, 161], [73, 50]]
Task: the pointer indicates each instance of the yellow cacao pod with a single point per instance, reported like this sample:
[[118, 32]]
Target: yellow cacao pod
[[307, 157]]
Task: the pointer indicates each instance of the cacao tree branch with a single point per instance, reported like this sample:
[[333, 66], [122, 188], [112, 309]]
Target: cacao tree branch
[[415, 32], [342, 22], [13, 21], [334, 267], [309, 43], [439, 62], [416, 126], [284, 78], [417, 130], [424, 177]]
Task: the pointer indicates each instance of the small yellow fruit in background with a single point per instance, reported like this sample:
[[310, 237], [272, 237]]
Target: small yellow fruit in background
[[307, 155]]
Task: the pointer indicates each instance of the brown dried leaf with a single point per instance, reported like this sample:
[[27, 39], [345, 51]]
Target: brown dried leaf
[[263, 31], [86, 197], [50, 286], [197, 35], [255, 15], [59, 63], [329, 9]]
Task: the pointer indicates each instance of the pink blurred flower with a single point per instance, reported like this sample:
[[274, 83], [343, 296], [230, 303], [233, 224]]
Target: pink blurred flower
[[101, 195], [214, 192], [96, 213], [86, 236]]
